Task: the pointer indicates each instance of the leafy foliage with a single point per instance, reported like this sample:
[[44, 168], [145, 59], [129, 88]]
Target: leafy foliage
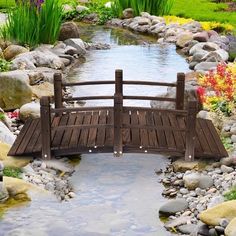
[[4, 65], [231, 195], [154, 7], [31, 24], [217, 89], [227, 143], [12, 172], [2, 116]]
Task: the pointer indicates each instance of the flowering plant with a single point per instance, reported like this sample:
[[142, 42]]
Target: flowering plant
[[217, 90]]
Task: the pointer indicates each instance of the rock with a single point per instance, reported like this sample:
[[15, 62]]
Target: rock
[[201, 36], [226, 169], [14, 89], [81, 9], [206, 66], [233, 138], [70, 50], [144, 21], [216, 200], [6, 136], [213, 216], [219, 55], [199, 55], [205, 182], [92, 17], [203, 230], [3, 193], [173, 206], [224, 223], [210, 46], [193, 26], [13, 50], [128, 13], [59, 165], [71, 194], [44, 89], [220, 230], [212, 232], [67, 8], [69, 30], [182, 166], [188, 229], [38, 58], [231, 228], [35, 77], [78, 44], [14, 162], [183, 38], [30, 110], [191, 180], [182, 220]]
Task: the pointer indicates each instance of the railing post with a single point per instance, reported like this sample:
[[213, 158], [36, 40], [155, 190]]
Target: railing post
[[191, 130], [45, 117], [1, 173], [118, 113], [58, 97], [180, 87]]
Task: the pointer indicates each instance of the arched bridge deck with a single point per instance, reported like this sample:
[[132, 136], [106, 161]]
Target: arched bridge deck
[[118, 129]]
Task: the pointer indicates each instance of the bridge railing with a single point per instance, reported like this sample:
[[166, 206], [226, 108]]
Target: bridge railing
[[118, 109]]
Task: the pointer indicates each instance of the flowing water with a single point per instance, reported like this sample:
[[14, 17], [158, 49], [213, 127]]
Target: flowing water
[[115, 196]]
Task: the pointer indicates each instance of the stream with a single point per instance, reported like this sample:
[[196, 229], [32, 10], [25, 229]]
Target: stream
[[115, 196]]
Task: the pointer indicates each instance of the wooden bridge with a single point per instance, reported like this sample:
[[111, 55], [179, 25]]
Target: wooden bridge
[[118, 129]]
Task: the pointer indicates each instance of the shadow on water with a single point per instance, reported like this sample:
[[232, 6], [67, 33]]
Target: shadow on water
[[115, 196]]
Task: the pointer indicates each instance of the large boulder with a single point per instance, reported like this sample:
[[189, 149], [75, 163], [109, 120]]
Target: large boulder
[[78, 44], [6, 135], [30, 110], [13, 50], [14, 89], [69, 30], [44, 89], [38, 58], [173, 206], [128, 13], [201, 36], [3, 193], [213, 216], [231, 228], [206, 66], [184, 38], [8, 161], [182, 166]]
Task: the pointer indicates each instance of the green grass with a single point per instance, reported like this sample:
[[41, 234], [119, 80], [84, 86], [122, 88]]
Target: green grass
[[12, 172], [7, 4], [203, 10]]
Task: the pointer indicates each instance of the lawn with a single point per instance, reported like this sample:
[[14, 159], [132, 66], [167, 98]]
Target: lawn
[[203, 10]]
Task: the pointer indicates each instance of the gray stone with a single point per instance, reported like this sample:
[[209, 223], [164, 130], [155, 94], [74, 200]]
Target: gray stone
[[3, 193], [182, 220], [191, 180], [144, 21], [128, 13], [205, 181], [67, 8], [173, 206], [201, 36], [14, 89], [6, 136], [68, 30], [183, 38], [228, 161], [203, 230], [195, 48], [199, 55], [30, 110], [220, 229], [224, 223], [213, 232], [233, 138], [13, 50], [226, 169], [188, 229], [205, 66], [81, 8], [215, 201], [78, 44], [210, 46], [59, 165]]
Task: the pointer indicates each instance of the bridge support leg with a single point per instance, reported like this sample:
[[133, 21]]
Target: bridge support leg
[[180, 91], [58, 96], [191, 131], [45, 115], [118, 114]]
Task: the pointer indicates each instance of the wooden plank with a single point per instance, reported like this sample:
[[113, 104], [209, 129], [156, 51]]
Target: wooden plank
[[126, 131], [210, 140], [135, 135], [160, 133], [202, 139], [20, 137], [143, 132], [101, 133], [109, 140], [168, 133], [151, 132], [84, 133], [28, 136], [93, 131], [68, 132], [177, 134], [216, 137], [76, 132], [34, 138], [56, 142]]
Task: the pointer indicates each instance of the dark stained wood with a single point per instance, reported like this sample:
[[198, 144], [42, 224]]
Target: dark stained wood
[[69, 131], [93, 131]]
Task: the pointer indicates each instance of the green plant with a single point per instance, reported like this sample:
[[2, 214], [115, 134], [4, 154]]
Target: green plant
[[69, 15], [231, 194], [32, 24], [154, 7], [227, 143], [2, 116], [12, 172], [4, 65]]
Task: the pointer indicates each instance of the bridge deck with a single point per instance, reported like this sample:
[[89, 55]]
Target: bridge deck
[[143, 130]]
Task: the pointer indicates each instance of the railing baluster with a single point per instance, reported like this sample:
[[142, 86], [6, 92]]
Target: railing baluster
[[191, 130], [45, 115], [118, 113], [180, 91]]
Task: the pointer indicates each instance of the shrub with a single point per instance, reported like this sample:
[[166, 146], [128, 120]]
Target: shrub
[[154, 7], [12, 172], [217, 89], [4, 65], [34, 22], [230, 195]]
